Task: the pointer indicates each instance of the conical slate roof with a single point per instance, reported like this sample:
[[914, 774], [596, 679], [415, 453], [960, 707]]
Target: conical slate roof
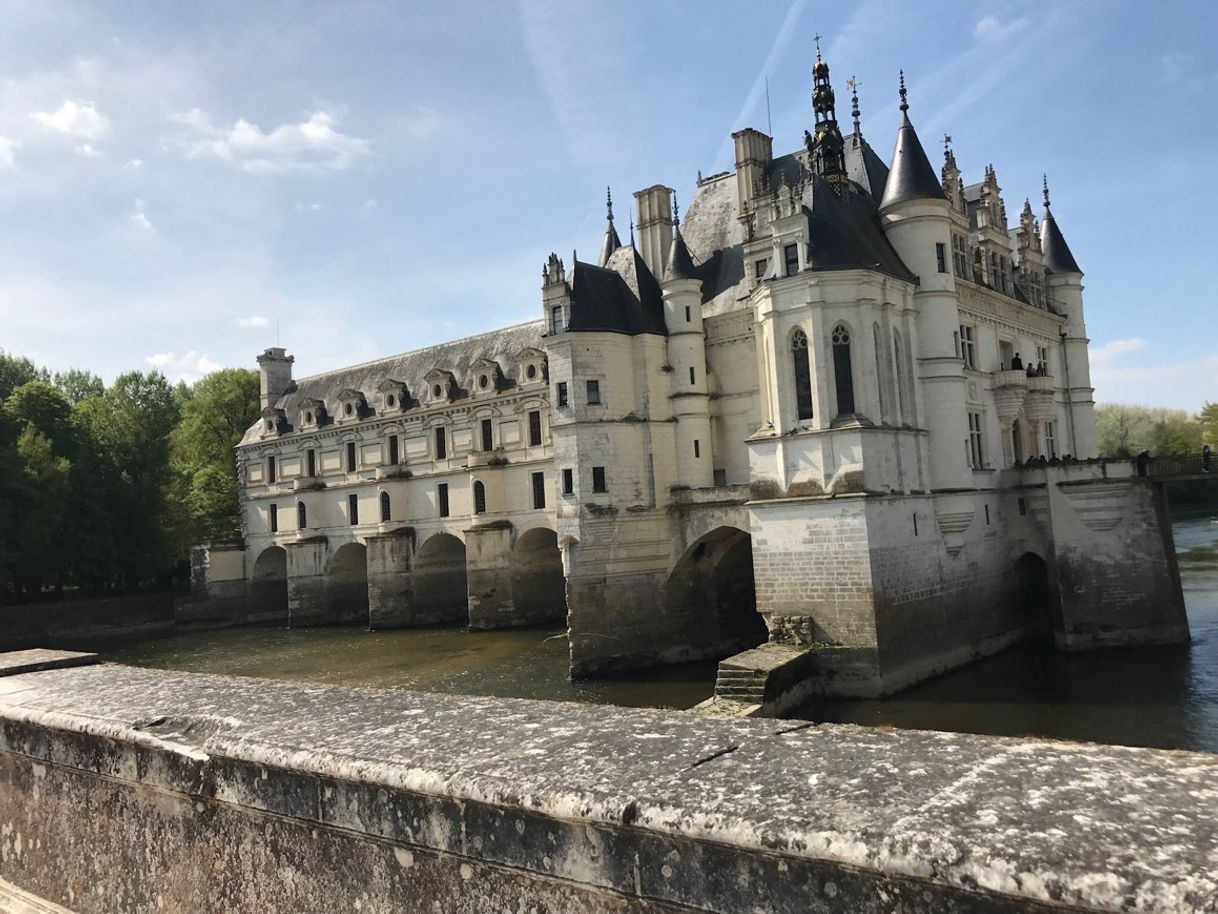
[[1058, 258], [911, 176], [612, 243], [680, 264]]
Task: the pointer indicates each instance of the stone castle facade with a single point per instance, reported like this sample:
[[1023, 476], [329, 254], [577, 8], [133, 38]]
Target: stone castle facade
[[800, 415]]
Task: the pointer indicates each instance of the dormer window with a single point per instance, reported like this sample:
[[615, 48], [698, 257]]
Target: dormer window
[[484, 381], [311, 413], [437, 391], [441, 386], [351, 405], [393, 395], [487, 377], [531, 372], [530, 367], [273, 421]]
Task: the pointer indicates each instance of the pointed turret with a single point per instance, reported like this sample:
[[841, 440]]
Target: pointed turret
[[1058, 258], [680, 264], [826, 148], [911, 176], [612, 241]]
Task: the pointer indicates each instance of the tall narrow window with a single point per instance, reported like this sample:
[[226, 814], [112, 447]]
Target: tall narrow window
[[311, 461], [442, 498], [350, 456], [556, 319], [790, 257], [1017, 441], [274, 518], [393, 450], [479, 497], [598, 480], [898, 374], [688, 316], [1050, 440], [803, 375], [561, 393], [879, 366], [843, 373], [535, 428], [976, 448], [386, 511], [594, 393], [941, 257], [353, 509], [441, 444], [968, 346], [539, 490], [568, 482], [488, 438], [697, 449], [692, 375], [302, 516], [270, 468]]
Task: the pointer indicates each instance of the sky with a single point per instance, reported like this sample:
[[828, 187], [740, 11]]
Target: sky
[[183, 185]]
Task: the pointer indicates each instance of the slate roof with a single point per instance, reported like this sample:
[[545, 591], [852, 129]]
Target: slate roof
[[622, 297], [864, 167], [1058, 258], [456, 356], [680, 265], [911, 176]]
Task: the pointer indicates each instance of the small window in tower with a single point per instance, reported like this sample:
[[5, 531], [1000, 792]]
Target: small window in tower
[[594, 393], [386, 508], [692, 376], [598, 480], [941, 257], [442, 498], [353, 509], [539, 490], [556, 319], [688, 316], [350, 456], [479, 498], [697, 449], [790, 256], [302, 516], [561, 393], [274, 518], [568, 482]]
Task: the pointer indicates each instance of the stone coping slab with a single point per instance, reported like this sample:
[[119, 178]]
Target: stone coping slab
[[1099, 828], [36, 659]]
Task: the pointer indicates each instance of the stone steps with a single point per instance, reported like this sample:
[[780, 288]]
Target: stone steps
[[740, 685]]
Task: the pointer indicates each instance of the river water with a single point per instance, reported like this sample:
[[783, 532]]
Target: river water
[[1163, 697]]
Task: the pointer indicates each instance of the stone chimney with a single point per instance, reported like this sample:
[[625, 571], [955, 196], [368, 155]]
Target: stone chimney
[[275, 368], [655, 226]]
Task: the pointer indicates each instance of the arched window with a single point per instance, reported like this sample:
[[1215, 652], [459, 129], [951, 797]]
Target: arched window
[[899, 373], [803, 374], [479, 498], [302, 518], [879, 367], [385, 512], [843, 374]]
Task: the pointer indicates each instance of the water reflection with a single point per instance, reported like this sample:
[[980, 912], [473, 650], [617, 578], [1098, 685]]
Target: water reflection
[[1162, 697]]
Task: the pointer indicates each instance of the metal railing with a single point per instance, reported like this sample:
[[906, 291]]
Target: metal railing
[[1191, 465]]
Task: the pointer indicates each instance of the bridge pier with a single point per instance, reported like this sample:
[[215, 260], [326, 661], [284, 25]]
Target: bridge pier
[[488, 563], [307, 582], [391, 597]]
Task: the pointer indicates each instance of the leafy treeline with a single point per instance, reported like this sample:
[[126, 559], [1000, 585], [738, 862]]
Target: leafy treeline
[[1126, 431], [103, 489]]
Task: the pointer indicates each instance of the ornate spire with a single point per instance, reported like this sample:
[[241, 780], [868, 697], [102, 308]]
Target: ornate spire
[[1045, 184], [680, 265], [854, 104], [911, 176], [612, 241], [826, 149], [1058, 258]]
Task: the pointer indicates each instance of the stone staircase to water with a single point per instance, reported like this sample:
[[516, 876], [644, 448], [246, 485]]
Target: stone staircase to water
[[737, 684]]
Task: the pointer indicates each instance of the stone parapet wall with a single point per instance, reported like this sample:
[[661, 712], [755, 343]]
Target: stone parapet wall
[[125, 790], [65, 623]]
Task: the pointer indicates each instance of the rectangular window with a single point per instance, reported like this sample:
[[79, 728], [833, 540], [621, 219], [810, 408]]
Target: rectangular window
[[960, 256], [488, 438], [720, 477], [976, 450], [760, 267], [790, 256], [561, 394], [274, 518], [968, 346], [441, 444], [556, 319], [568, 482], [594, 393], [1006, 354], [311, 461], [941, 257], [539, 490], [535, 428], [1042, 359], [688, 316], [442, 498], [598, 480], [987, 515], [1050, 440], [353, 509], [697, 449], [270, 469], [386, 508], [350, 456], [393, 450]]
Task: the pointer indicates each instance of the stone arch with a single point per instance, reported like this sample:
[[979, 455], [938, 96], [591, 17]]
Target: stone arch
[[441, 587], [269, 584], [712, 593], [539, 587], [1035, 598], [347, 584]]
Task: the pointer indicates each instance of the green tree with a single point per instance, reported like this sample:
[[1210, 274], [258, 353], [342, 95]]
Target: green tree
[[41, 497], [17, 370], [40, 405], [215, 414], [1125, 431], [78, 384], [1208, 417]]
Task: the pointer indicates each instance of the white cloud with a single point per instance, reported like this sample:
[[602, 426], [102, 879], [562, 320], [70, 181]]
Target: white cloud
[[1103, 356], [256, 320], [370, 203], [77, 119], [134, 163], [6, 153], [138, 217], [313, 145], [312, 206], [991, 28], [189, 367]]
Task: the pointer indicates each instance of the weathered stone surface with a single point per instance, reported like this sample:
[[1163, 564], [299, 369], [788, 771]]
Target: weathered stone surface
[[119, 785], [36, 659]]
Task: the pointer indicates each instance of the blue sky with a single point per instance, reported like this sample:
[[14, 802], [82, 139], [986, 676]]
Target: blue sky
[[177, 181]]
